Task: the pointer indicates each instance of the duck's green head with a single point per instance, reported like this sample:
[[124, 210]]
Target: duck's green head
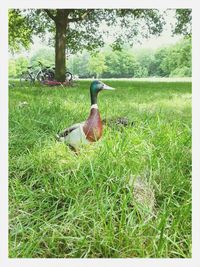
[[95, 88]]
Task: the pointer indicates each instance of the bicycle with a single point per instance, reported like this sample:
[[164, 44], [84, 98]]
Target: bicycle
[[27, 76], [44, 73], [51, 72], [68, 76]]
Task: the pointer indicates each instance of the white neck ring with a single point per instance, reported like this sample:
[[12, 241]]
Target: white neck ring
[[94, 106]]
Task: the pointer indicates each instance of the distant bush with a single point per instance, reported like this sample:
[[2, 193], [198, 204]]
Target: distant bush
[[45, 55], [181, 72], [17, 66]]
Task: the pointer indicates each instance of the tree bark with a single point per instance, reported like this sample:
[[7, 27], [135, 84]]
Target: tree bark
[[62, 20], [60, 46]]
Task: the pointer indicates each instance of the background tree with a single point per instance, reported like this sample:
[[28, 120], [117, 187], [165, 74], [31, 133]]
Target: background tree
[[146, 59], [45, 55], [21, 64], [20, 30], [173, 60], [183, 23], [140, 71], [79, 64], [97, 64], [78, 29], [178, 59], [120, 64], [12, 68]]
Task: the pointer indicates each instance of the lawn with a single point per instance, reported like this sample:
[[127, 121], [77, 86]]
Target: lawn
[[128, 195]]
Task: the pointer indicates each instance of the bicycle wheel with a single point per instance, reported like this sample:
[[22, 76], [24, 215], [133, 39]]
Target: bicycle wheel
[[26, 78], [40, 76], [68, 76], [51, 74]]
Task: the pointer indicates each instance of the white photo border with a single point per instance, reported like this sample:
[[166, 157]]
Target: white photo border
[[135, 262]]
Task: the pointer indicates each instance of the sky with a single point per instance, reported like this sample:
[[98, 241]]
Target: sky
[[164, 39], [154, 42]]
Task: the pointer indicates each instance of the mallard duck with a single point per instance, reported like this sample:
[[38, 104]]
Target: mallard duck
[[90, 130]]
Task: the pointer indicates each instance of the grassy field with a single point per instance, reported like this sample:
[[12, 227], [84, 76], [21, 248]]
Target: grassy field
[[128, 195]]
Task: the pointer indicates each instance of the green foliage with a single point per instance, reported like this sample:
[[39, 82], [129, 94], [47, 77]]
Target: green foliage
[[163, 62], [167, 61], [21, 64], [17, 66], [140, 71], [63, 205], [45, 55], [146, 59], [177, 57], [159, 56], [83, 25], [82, 31], [20, 31], [12, 68], [97, 64], [181, 72], [183, 22], [174, 61], [79, 65], [120, 64]]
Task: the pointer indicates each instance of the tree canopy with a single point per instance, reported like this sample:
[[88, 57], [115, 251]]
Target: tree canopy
[[183, 23], [83, 25], [20, 31]]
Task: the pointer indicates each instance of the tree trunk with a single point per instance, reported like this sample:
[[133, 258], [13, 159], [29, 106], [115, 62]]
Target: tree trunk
[[60, 46]]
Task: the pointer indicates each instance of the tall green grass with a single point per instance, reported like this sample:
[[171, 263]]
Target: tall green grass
[[66, 205]]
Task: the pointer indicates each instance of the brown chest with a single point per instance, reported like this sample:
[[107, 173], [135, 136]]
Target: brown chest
[[93, 127]]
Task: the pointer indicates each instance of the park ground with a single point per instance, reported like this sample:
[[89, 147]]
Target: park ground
[[63, 205]]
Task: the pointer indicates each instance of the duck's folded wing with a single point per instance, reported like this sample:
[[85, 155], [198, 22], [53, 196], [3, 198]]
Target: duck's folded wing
[[66, 131]]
